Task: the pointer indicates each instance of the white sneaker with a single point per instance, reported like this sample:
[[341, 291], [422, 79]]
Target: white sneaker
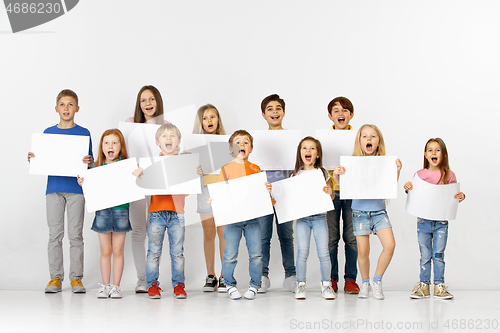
[[378, 293], [265, 284], [290, 283], [364, 290], [327, 290], [115, 292], [142, 285], [300, 290], [233, 292], [103, 291], [250, 293]]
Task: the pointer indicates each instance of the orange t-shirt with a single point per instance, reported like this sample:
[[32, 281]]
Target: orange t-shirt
[[235, 170]]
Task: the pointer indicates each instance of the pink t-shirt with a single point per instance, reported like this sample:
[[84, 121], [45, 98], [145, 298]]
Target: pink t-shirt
[[433, 176]]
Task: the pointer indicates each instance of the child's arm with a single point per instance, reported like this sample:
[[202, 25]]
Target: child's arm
[[30, 155], [408, 186], [138, 172], [269, 188], [399, 165], [339, 170], [200, 172], [80, 180], [88, 160], [460, 196]]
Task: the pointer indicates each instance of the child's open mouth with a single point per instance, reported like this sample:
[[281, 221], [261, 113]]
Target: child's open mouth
[[308, 158], [341, 120], [111, 154], [210, 126], [168, 146], [369, 147], [275, 117], [434, 160], [149, 109], [242, 151]]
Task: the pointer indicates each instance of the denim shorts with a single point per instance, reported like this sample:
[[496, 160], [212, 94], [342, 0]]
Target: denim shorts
[[365, 223], [203, 206], [111, 220]]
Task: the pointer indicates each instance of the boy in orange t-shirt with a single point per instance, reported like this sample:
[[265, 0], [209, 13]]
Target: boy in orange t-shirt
[[241, 145]]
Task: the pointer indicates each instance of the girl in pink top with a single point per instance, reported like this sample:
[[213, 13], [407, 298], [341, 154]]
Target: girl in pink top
[[433, 235], [148, 109]]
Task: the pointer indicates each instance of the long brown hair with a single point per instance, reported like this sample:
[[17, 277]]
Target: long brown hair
[[123, 152], [198, 120], [318, 164], [444, 166], [139, 115], [358, 151]]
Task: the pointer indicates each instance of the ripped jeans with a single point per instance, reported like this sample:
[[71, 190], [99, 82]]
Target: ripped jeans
[[432, 238]]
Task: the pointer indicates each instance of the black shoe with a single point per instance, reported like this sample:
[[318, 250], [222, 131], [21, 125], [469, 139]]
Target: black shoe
[[211, 283], [222, 286]]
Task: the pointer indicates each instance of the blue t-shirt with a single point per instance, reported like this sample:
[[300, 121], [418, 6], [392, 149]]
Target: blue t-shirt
[[368, 205], [61, 184]]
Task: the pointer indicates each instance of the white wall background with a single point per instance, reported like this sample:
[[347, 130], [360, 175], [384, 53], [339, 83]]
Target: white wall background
[[417, 69]]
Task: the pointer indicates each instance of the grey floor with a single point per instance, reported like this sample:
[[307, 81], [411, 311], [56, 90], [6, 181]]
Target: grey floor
[[276, 311]]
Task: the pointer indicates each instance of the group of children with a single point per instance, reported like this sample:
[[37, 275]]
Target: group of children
[[166, 212]]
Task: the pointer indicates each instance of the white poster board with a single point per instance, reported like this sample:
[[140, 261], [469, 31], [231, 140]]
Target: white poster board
[[301, 196], [335, 144], [275, 150], [240, 199], [111, 185], [432, 202], [175, 174], [58, 155], [369, 177]]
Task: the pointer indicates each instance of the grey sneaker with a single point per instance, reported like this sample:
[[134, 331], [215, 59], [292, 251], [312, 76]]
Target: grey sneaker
[[115, 292], [265, 284], [250, 293], [290, 283], [300, 290], [54, 285], [103, 291], [327, 290], [233, 292], [364, 290], [142, 285], [77, 286], [378, 293]]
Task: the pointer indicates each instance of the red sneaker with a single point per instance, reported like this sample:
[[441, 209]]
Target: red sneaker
[[154, 290], [351, 287], [334, 285], [179, 291]]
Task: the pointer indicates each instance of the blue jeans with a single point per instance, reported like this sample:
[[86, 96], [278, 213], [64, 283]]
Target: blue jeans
[[316, 223], [432, 238], [158, 222], [285, 236], [350, 245], [232, 234]]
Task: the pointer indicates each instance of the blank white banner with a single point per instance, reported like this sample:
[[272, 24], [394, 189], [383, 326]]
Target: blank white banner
[[301, 196], [240, 199], [335, 144], [58, 155], [369, 177], [432, 202], [111, 185], [275, 150]]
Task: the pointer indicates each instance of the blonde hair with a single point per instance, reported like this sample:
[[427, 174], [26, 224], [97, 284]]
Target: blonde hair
[[123, 151], [198, 120], [358, 151], [168, 126]]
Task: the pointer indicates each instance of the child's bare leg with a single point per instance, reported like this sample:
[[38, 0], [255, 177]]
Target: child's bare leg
[[209, 232], [106, 251], [363, 242], [222, 243], [118, 242], [388, 244]]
